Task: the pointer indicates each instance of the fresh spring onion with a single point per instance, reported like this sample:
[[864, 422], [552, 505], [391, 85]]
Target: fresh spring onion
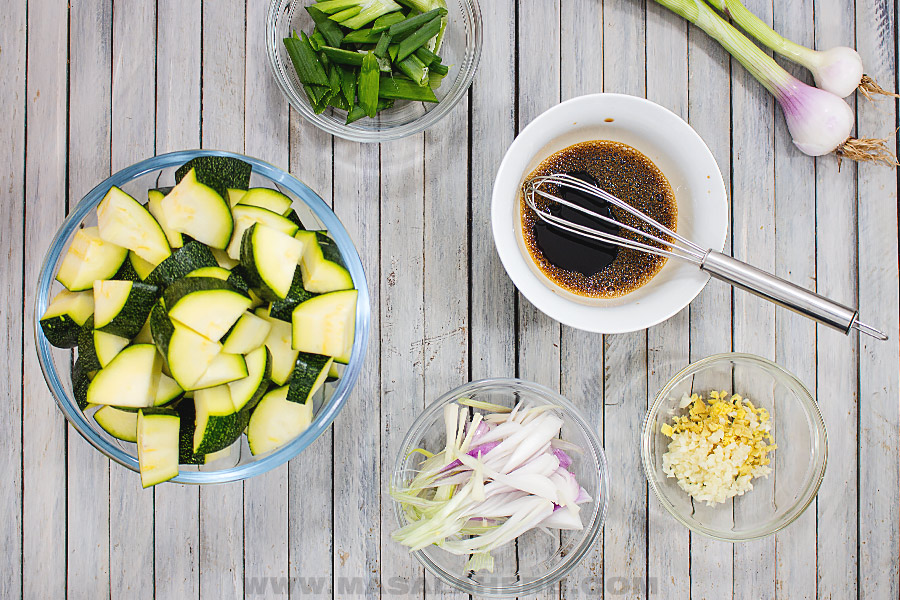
[[819, 121], [838, 70], [499, 475]]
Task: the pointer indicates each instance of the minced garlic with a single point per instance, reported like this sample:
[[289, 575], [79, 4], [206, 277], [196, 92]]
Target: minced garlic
[[718, 447]]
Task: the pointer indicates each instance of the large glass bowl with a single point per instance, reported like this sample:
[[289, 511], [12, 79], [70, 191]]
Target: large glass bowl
[[460, 50], [549, 558], [136, 180], [798, 464]]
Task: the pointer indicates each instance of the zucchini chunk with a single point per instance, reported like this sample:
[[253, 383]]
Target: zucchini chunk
[[224, 458], [278, 343], [130, 379], [297, 294], [121, 424], [96, 349], [128, 272], [140, 266], [122, 307], [199, 211], [218, 172], [214, 272], [187, 414], [310, 372], [157, 445], [187, 353], [270, 258], [326, 325], [144, 336], [218, 424], [154, 205], [225, 261], [207, 305], [123, 221], [276, 421], [247, 392], [246, 216], [294, 218], [224, 368], [248, 334], [88, 259], [167, 391], [322, 266], [192, 256], [268, 199], [81, 379], [63, 319], [234, 196], [334, 373]]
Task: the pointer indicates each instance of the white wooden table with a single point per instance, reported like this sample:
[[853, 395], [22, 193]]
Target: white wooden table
[[92, 86]]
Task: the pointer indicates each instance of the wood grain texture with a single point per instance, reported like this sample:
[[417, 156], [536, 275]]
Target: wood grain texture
[[13, 320], [177, 514], [222, 127], [668, 344], [267, 137], [131, 508], [88, 506], [879, 286]]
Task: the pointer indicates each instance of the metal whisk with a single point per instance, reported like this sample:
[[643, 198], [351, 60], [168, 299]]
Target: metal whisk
[[718, 265]]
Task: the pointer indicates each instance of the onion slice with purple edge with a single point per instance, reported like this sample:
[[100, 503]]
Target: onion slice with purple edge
[[500, 474]]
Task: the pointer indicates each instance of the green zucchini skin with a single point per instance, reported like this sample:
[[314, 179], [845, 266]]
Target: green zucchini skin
[[283, 309], [66, 313], [81, 379], [190, 257], [263, 271], [161, 328], [121, 424], [131, 318], [61, 331], [186, 454], [221, 430], [182, 287], [218, 172], [241, 396], [310, 372], [87, 354], [127, 272]]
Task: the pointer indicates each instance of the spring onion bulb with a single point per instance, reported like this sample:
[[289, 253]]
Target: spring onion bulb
[[499, 475], [838, 70], [820, 122]]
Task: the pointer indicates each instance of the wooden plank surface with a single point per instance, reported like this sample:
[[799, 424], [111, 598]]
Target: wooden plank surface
[[99, 84]]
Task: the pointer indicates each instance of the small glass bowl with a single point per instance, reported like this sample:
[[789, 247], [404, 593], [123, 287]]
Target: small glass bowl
[[798, 464], [460, 50], [557, 555], [56, 362]]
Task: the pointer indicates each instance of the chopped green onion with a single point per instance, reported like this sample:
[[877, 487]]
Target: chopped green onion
[[419, 38], [369, 84], [306, 63], [362, 36], [343, 57], [398, 88], [384, 22], [381, 48], [326, 27], [428, 57], [439, 69], [344, 15], [415, 69], [408, 26], [356, 113], [372, 9], [348, 86], [332, 6]]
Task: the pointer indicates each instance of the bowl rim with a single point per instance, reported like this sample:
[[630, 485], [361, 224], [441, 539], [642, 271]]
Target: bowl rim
[[820, 441], [322, 211], [468, 67], [427, 417], [567, 311]]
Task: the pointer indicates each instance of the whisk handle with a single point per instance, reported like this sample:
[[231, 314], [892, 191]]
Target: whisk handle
[[781, 292]]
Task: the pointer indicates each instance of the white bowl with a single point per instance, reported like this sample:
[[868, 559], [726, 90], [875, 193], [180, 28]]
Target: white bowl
[[674, 147]]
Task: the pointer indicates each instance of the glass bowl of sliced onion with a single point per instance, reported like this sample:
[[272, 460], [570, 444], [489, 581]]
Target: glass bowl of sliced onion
[[500, 488]]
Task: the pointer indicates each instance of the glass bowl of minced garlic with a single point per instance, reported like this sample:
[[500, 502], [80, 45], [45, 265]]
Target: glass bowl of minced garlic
[[734, 447]]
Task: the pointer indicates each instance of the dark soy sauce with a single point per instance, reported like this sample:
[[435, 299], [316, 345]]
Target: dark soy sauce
[[589, 267]]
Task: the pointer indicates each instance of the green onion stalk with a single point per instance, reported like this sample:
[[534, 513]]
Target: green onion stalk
[[838, 70], [819, 121]]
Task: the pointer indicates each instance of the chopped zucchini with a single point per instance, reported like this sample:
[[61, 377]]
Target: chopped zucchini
[[207, 305], [123, 221], [276, 421], [214, 272], [154, 205], [294, 218], [310, 372], [187, 414], [246, 216], [144, 336], [130, 379], [218, 424], [225, 261], [157, 445], [322, 265], [267, 198], [199, 211], [88, 259], [297, 294], [140, 266], [246, 392], [218, 172], [63, 319], [279, 344], [270, 258], [108, 346], [248, 334], [334, 373], [224, 368], [326, 325], [187, 353], [81, 379], [192, 256], [234, 196], [122, 307], [96, 349], [121, 424], [128, 272], [167, 391]]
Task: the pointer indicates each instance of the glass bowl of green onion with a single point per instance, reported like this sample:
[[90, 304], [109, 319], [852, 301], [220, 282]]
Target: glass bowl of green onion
[[374, 70], [500, 488]]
